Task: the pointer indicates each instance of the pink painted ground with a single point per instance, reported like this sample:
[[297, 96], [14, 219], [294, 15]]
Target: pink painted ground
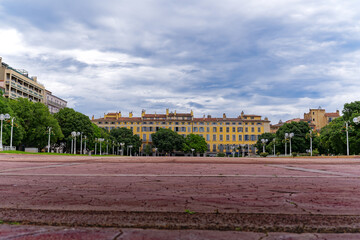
[[328, 186]]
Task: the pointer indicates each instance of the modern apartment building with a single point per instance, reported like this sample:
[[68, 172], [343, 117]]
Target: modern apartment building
[[221, 134], [17, 83], [54, 103]]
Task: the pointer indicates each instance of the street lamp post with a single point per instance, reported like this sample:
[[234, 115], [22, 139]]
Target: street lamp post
[[274, 140], [11, 136], [356, 120], [95, 144], [130, 147], [286, 137], [192, 151], [113, 147], [84, 150], [100, 141], [122, 148], [243, 149], [81, 150], [347, 138], [310, 131], [2, 118], [264, 141], [48, 140], [291, 135], [155, 151], [75, 134]]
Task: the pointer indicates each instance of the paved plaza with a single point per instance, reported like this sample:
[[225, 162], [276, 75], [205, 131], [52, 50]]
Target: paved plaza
[[178, 197]]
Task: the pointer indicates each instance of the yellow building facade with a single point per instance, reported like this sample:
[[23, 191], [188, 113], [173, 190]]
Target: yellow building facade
[[221, 134]]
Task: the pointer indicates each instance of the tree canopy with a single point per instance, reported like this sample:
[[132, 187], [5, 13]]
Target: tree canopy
[[196, 142], [300, 142], [36, 119], [167, 141], [124, 135]]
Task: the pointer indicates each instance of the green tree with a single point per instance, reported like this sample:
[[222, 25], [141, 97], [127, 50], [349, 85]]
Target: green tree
[[269, 145], [148, 149], [70, 120], [167, 141], [350, 110], [36, 119], [124, 135], [18, 130], [196, 142], [299, 142]]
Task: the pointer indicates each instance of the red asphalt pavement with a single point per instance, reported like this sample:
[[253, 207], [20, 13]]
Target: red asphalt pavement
[[320, 192]]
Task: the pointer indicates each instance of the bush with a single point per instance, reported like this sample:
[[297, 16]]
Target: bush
[[264, 154], [220, 154], [294, 154], [278, 154], [316, 152]]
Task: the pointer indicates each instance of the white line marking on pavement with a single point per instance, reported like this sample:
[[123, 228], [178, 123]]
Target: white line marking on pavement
[[167, 175], [40, 167], [313, 170]]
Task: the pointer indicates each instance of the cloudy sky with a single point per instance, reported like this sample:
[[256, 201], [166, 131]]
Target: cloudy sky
[[274, 58]]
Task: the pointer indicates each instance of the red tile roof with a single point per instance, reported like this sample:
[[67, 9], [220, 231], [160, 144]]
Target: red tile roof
[[335, 114]]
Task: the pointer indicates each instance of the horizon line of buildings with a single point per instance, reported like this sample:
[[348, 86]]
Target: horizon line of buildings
[[15, 83], [221, 133]]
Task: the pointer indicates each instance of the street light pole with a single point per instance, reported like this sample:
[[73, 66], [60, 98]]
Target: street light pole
[[2, 118], [274, 140], [130, 147], [310, 143], [286, 136], [49, 140], [84, 150], [81, 152], [122, 148], [291, 135], [95, 144], [264, 141], [347, 139], [11, 136]]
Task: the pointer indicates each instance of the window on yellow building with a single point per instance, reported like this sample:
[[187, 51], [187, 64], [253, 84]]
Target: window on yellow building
[[227, 129], [207, 129], [201, 129], [259, 129], [221, 129], [207, 137], [214, 148], [195, 129], [214, 129], [144, 137], [246, 129], [214, 137], [234, 129], [252, 129], [240, 129], [234, 137], [138, 129], [240, 137], [221, 137], [246, 137], [227, 137]]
